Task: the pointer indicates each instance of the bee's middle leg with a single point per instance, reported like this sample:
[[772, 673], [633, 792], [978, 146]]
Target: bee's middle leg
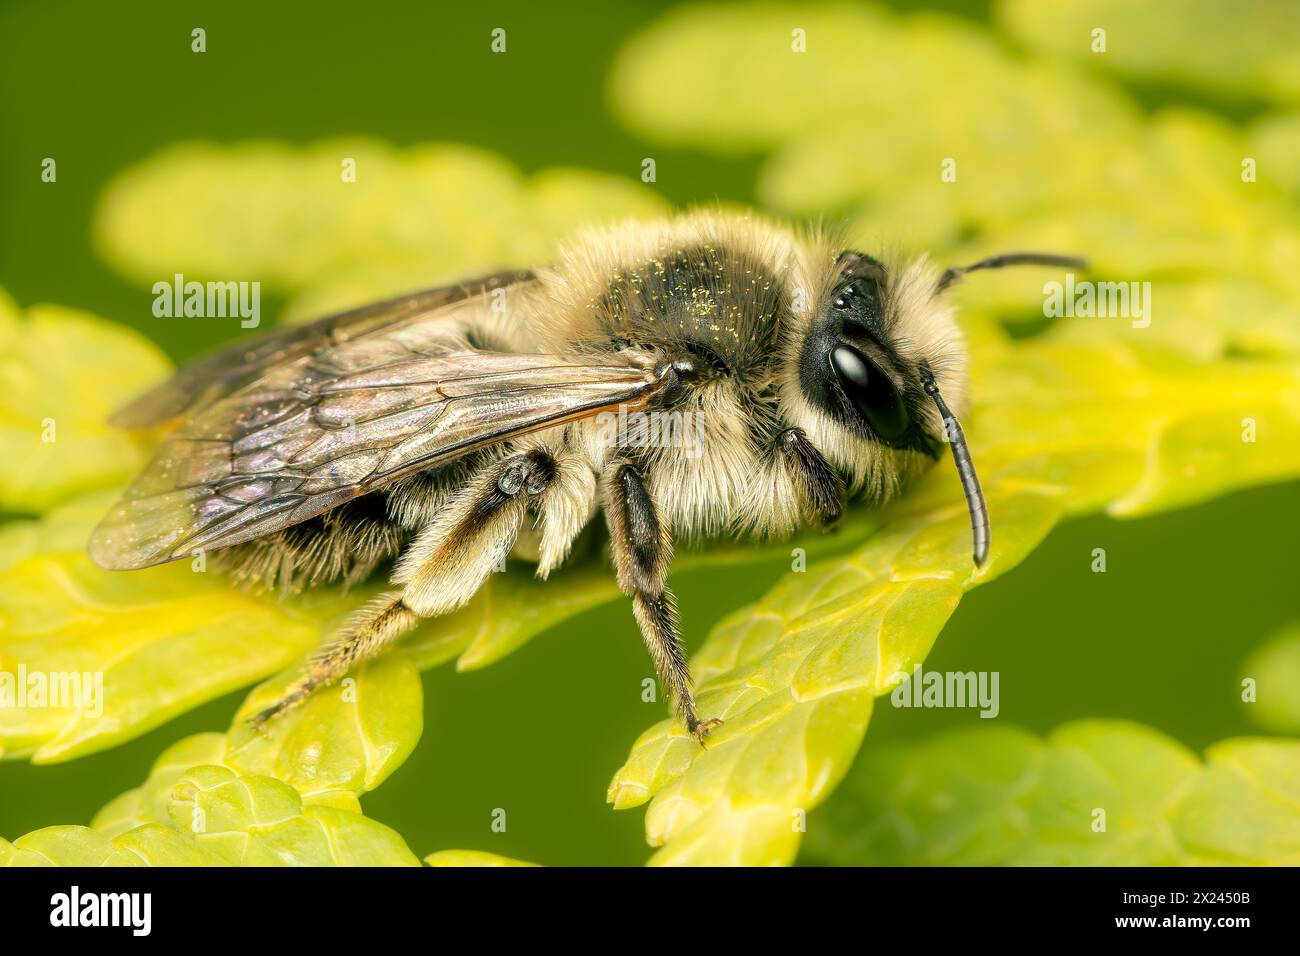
[[643, 550], [442, 568]]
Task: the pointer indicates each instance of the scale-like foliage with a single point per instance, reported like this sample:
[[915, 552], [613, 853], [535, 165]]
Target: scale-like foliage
[[215, 817], [1272, 698], [62, 372], [1093, 793], [289, 218]]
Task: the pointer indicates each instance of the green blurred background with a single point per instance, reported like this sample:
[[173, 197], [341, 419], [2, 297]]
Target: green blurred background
[[1160, 638]]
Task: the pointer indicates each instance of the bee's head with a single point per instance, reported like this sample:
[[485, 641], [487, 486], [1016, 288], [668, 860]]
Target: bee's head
[[861, 361], [860, 358], [877, 374]]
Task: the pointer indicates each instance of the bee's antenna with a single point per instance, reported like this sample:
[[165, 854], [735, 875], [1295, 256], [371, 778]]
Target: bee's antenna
[[970, 482], [954, 273]]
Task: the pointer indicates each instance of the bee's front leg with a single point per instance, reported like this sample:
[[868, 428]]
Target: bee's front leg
[[446, 563], [820, 485], [643, 550]]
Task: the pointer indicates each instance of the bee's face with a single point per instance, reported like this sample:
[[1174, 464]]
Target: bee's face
[[852, 372], [860, 365]]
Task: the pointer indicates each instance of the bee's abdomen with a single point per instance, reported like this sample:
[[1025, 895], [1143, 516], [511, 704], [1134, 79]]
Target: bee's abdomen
[[346, 544]]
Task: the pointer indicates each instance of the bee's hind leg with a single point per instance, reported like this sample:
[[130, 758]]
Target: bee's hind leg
[[643, 550], [369, 631], [442, 568]]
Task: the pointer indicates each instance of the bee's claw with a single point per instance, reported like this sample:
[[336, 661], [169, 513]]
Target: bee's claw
[[295, 697], [263, 718], [700, 730], [258, 721]]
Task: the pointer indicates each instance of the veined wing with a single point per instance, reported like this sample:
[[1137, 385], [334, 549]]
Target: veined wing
[[310, 435], [219, 373]]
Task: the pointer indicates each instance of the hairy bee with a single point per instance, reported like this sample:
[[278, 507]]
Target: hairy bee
[[444, 428]]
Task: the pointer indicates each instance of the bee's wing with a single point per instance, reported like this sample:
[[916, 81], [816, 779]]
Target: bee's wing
[[307, 436], [219, 373]]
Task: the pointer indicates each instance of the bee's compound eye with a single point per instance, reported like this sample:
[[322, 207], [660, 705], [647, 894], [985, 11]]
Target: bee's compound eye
[[871, 392]]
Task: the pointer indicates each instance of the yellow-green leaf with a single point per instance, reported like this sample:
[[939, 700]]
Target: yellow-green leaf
[[1241, 50], [1274, 144], [213, 816], [1273, 702], [1093, 793], [151, 845], [343, 741], [260, 821], [62, 373], [148, 802], [348, 221], [128, 650]]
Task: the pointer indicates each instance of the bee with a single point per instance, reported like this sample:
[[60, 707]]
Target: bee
[[445, 430]]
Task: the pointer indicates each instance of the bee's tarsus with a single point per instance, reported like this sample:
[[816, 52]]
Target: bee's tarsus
[[288, 702]]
